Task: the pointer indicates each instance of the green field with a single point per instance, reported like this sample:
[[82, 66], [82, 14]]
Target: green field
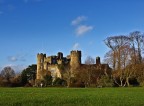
[[72, 96]]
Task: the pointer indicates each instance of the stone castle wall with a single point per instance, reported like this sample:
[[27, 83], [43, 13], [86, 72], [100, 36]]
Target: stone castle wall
[[50, 63]]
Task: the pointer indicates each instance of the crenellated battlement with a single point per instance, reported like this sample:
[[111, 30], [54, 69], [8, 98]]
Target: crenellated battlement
[[41, 55], [76, 53]]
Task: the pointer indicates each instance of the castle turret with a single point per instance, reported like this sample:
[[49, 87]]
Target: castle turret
[[60, 55], [40, 65], [98, 60], [75, 59]]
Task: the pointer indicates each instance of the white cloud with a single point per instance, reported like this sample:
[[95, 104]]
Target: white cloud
[[76, 46], [78, 20], [12, 58], [82, 29], [16, 58]]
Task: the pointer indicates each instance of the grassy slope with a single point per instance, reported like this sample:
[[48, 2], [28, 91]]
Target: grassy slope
[[72, 96]]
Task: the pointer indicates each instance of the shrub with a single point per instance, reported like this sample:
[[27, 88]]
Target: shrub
[[105, 81], [59, 82], [28, 85]]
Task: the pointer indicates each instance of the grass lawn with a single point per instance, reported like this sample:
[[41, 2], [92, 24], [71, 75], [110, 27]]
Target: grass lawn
[[72, 96]]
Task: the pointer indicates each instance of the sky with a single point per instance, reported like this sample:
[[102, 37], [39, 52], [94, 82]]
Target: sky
[[28, 27]]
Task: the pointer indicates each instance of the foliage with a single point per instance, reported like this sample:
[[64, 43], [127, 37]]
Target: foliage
[[38, 82], [59, 82], [28, 74], [16, 81], [47, 80], [105, 81], [139, 73]]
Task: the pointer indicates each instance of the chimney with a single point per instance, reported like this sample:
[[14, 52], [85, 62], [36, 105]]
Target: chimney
[[98, 60]]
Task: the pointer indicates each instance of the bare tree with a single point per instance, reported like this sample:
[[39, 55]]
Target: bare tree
[[108, 58], [68, 74], [7, 73], [116, 43], [89, 60], [122, 54], [89, 70], [137, 43]]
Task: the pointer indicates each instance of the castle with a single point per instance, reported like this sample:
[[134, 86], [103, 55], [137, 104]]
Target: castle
[[50, 64]]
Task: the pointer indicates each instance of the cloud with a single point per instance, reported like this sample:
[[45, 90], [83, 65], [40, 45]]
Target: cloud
[[76, 46], [82, 29], [16, 58], [12, 58], [78, 20]]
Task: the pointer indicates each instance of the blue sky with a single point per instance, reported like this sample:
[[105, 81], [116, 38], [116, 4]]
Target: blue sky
[[28, 27]]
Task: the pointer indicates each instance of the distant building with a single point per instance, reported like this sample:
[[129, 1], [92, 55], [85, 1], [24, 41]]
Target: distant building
[[49, 65]]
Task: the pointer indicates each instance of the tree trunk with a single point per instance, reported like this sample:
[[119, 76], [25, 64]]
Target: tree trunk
[[127, 81], [121, 81], [114, 61], [116, 82], [68, 83]]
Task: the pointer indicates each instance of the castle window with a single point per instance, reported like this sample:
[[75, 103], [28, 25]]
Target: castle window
[[41, 60], [54, 61]]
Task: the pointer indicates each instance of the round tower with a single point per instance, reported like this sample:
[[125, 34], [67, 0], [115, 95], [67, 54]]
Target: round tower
[[40, 65], [75, 59]]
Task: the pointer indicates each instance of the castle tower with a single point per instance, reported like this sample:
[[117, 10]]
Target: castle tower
[[75, 57], [45, 65], [40, 65], [98, 60], [60, 55]]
